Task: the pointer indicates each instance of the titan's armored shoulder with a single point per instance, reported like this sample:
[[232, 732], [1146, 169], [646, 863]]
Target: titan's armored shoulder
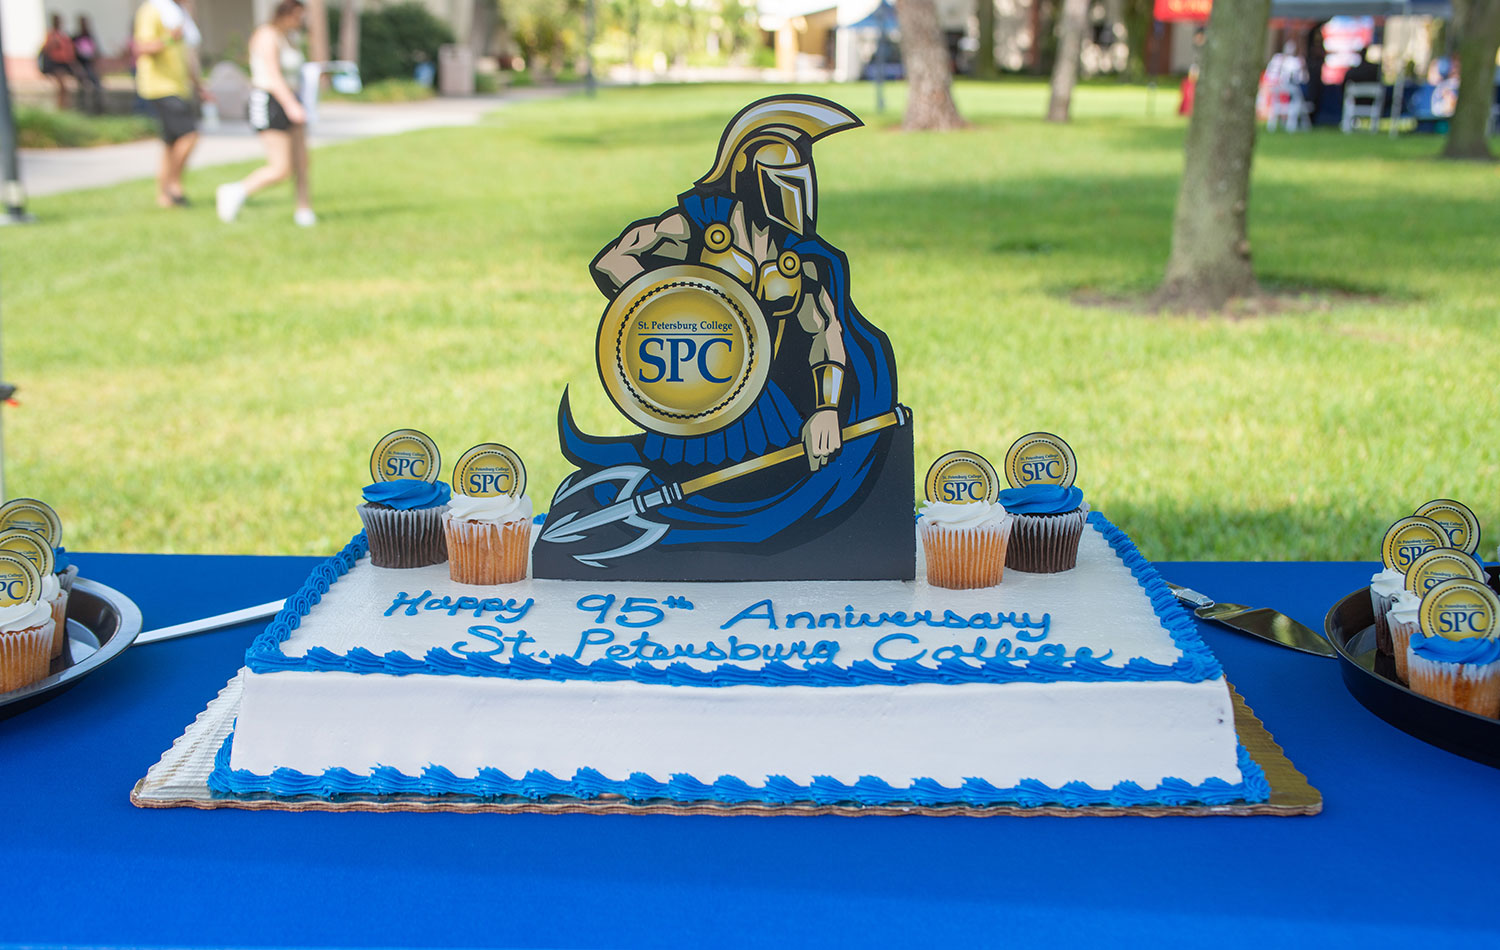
[[673, 226]]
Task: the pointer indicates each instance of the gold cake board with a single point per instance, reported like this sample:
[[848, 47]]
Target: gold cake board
[[180, 780]]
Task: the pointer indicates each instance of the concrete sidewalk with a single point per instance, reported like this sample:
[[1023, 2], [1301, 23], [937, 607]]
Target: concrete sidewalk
[[49, 171]]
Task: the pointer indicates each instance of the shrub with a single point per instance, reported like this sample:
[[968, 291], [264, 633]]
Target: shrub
[[388, 90], [394, 39], [44, 128]]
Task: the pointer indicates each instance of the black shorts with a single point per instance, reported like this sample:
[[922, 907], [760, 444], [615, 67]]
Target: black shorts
[[266, 114], [177, 116]]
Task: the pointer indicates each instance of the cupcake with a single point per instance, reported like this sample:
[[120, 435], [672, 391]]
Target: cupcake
[[1404, 541], [488, 524], [39, 551], [26, 627], [964, 544], [39, 519], [1049, 511], [1455, 656], [404, 506], [964, 531], [1385, 584], [1402, 624]]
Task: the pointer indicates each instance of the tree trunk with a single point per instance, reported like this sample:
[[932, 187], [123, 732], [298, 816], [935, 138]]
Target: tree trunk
[[1070, 27], [349, 31], [1210, 262], [317, 31], [1138, 23], [929, 71], [984, 57], [1477, 25]]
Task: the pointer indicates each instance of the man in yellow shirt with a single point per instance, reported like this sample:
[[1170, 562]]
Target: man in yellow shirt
[[166, 78]]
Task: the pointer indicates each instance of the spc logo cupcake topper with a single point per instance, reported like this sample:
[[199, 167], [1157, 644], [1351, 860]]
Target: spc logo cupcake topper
[[1459, 523], [1408, 539], [489, 470], [31, 546], [1438, 565], [1040, 458], [32, 515], [962, 478], [20, 582], [1460, 609], [405, 453]]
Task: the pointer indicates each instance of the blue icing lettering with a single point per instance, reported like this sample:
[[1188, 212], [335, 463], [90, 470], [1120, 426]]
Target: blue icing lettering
[[767, 612], [878, 650]]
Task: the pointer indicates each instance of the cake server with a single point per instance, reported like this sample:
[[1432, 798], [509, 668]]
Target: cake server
[[215, 622], [1262, 622]]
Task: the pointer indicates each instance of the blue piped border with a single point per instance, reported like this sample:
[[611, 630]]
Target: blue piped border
[[1196, 664], [588, 784]]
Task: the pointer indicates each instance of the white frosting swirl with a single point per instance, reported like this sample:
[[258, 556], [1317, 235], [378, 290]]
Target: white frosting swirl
[[974, 514], [1387, 582], [499, 508], [51, 587], [24, 616], [1405, 608]]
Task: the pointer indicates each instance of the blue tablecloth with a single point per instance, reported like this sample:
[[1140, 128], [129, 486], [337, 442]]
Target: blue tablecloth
[[1406, 849]]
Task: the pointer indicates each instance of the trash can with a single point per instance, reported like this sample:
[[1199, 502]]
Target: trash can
[[455, 70]]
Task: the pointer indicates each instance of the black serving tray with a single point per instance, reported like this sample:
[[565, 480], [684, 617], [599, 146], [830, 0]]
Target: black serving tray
[[102, 622], [1371, 678]]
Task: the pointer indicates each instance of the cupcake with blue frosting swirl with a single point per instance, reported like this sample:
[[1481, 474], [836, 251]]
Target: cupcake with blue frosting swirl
[[1048, 509], [1455, 657], [404, 506]]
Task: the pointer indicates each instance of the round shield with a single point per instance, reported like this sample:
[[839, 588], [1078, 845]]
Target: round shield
[[683, 350]]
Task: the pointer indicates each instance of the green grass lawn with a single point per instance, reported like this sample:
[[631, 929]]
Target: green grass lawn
[[194, 387]]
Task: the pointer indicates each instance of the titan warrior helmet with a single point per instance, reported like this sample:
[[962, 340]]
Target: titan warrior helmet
[[765, 156]]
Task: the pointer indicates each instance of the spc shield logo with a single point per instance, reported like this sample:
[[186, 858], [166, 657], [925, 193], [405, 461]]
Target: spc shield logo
[[1040, 458], [31, 546], [962, 478], [1460, 524], [405, 453], [1459, 609], [32, 515], [1408, 539], [489, 470], [1438, 565], [683, 350], [20, 582]]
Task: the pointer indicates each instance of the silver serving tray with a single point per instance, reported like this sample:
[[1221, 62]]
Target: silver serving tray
[[102, 622]]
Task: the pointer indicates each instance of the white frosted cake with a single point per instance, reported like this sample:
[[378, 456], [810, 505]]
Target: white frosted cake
[[1085, 687]]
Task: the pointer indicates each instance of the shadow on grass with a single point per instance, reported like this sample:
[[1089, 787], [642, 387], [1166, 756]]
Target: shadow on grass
[[1174, 530]]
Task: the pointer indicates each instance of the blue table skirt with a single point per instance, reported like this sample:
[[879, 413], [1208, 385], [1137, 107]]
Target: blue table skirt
[[1406, 849]]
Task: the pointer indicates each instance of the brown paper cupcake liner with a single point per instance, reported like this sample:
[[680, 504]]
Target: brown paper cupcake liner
[[404, 538], [1046, 544], [965, 558], [1401, 634], [59, 623], [484, 552], [1382, 606], [25, 655], [1471, 686]]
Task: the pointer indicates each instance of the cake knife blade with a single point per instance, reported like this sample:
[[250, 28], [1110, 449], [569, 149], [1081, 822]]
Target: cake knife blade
[[1262, 622], [215, 622]]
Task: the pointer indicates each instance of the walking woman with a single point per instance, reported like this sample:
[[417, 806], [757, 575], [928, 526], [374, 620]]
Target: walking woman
[[276, 113]]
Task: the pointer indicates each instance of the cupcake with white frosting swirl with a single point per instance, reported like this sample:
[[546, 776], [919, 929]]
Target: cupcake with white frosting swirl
[[964, 544], [489, 538], [26, 626]]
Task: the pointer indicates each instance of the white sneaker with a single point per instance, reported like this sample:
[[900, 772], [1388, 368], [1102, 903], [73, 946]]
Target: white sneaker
[[228, 199], [304, 217]]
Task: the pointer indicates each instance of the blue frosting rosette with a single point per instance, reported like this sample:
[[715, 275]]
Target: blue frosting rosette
[[1048, 525]]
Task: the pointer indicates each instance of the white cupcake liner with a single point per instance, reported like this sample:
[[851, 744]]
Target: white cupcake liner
[[25, 655], [404, 538], [965, 558], [65, 578], [1382, 606], [487, 552], [1046, 544], [1471, 686], [1401, 634], [59, 622]]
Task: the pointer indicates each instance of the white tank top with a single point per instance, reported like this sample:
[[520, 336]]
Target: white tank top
[[288, 58]]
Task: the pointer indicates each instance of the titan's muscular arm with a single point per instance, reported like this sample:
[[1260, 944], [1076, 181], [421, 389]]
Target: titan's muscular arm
[[818, 316], [616, 265]]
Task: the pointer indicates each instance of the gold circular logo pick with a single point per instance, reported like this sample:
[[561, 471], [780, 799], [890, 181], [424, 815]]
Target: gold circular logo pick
[[1459, 609], [30, 545], [405, 453], [962, 478], [1460, 524], [1040, 458], [32, 515], [1408, 539], [1441, 564], [20, 582], [488, 470], [683, 350]]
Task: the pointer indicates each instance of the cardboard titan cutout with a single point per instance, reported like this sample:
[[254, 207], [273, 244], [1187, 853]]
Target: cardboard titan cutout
[[773, 447]]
